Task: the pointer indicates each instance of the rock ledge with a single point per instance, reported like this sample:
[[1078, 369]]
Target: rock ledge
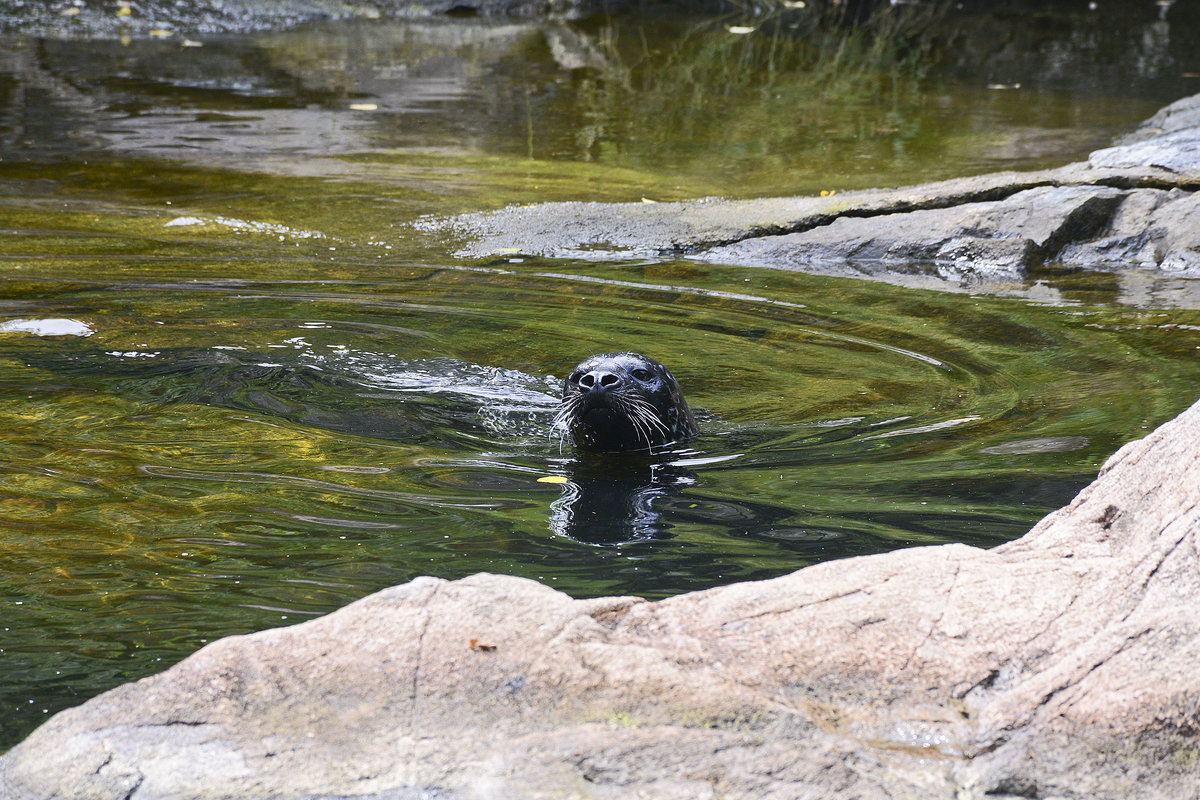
[[1130, 205]]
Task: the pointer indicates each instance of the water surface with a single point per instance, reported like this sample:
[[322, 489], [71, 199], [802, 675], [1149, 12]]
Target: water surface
[[241, 386]]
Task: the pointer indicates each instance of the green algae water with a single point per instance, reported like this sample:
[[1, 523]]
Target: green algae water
[[241, 384]]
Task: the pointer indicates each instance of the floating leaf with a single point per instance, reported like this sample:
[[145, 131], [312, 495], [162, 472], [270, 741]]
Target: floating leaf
[[552, 479]]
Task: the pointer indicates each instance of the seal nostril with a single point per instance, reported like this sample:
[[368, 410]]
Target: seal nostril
[[599, 381]]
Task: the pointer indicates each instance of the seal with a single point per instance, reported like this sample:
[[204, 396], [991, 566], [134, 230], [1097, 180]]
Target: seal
[[614, 402]]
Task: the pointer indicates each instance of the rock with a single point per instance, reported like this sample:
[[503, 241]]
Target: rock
[[97, 20], [1131, 205], [1058, 665], [1151, 228], [1021, 231], [1170, 140], [621, 230]]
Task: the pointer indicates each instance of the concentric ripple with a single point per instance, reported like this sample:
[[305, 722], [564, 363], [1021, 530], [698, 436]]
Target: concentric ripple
[[191, 459]]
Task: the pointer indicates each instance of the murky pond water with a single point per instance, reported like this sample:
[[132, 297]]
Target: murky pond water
[[241, 386]]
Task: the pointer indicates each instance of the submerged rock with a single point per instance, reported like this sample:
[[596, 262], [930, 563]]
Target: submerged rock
[[1058, 665]]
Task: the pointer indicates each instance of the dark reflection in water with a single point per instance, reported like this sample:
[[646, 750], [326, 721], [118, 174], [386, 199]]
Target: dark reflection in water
[[617, 499], [918, 91]]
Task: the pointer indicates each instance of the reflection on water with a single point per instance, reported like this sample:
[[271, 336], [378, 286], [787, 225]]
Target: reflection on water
[[241, 386], [614, 500]]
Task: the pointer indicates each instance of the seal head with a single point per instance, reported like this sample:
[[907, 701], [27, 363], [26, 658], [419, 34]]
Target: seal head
[[615, 402]]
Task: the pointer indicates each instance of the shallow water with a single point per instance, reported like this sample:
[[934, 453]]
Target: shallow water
[[242, 386]]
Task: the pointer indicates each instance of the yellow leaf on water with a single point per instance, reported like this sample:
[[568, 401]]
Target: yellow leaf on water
[[160, 32], [552, 479]]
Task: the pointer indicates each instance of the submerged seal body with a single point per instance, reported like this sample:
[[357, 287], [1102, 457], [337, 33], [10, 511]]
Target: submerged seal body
[[623, 401]]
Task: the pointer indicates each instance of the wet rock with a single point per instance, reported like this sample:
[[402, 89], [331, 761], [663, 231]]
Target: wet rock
[[104, 20], [1058, 665], [621, 230], [1170, 140]]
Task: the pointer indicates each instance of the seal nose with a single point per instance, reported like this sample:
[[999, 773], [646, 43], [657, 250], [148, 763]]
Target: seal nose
[[598, 381]]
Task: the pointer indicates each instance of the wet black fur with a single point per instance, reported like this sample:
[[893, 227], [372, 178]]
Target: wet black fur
[[623, 401]]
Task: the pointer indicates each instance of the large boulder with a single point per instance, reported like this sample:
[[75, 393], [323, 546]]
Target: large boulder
[[1062, 664]]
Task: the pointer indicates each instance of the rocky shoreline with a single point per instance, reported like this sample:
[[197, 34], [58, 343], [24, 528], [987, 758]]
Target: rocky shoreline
[[1130, 206]]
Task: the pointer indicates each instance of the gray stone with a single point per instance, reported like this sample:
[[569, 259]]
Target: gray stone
[[1170, 140], [1021, 231], [622, 230], [97, 20], [1151, 228], [1132, 205], [1058, 665]]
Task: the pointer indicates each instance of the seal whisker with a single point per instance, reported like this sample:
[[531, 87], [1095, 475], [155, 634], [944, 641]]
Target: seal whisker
[[643, 417], [561, 424], [633, 414], [568, 409], [647, 413], [637, 418]]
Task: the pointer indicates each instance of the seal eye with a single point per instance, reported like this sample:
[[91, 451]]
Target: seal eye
[[642, 374]]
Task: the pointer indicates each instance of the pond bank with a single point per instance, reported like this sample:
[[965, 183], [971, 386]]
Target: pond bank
[[1060, 664], [1132, 205]]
